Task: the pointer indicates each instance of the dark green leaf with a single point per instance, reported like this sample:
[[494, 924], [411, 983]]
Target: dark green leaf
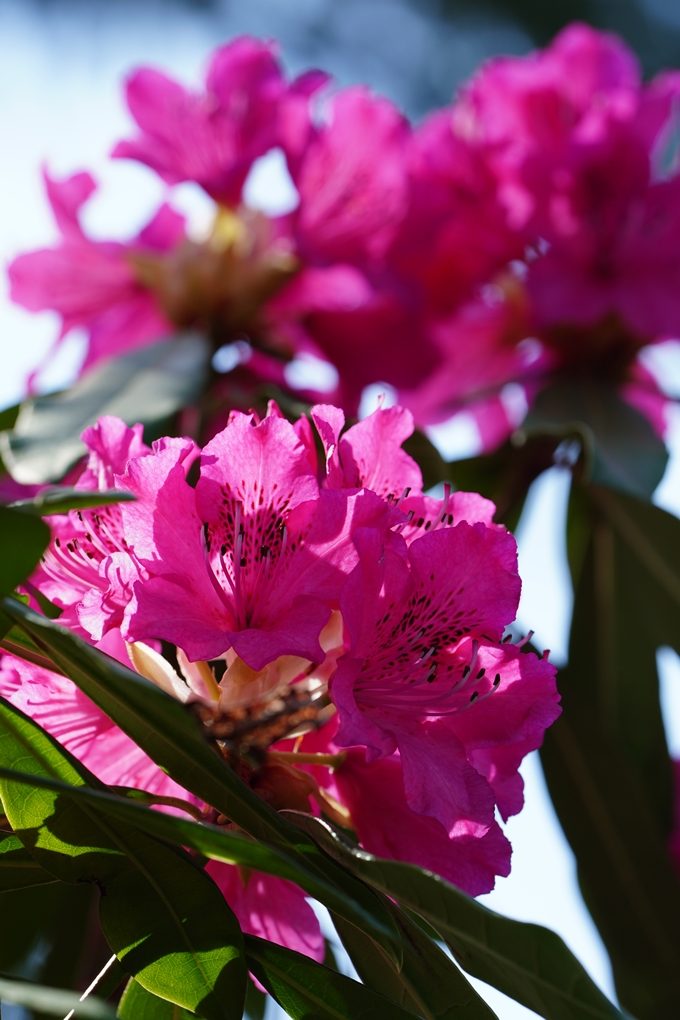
[[525, 961], [429, 983], [256, 1002], [31, 926], [626, 452], [606, 760], [18, 869], [214, 842], [139, 1004], [62, 499], [145, 385], [310, 991], [23, 540], [53, 1001], [170, 736], [505, 475], [163, 917]]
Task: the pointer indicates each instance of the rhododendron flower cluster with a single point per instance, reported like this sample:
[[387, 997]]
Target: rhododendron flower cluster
[[297, 572], [528, 232]]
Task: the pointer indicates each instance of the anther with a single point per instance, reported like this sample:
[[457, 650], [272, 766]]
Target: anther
[[480, 674], [474, 696], [496, 679]]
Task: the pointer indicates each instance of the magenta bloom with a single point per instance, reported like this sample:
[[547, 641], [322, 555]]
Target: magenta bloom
[[253, 557], [578, 145], [93, 284], [352, 180], [427, 674], [213, 138], [73, 570]]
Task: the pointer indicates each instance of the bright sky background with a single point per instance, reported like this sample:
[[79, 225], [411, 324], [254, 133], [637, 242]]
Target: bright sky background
[[61, 103]]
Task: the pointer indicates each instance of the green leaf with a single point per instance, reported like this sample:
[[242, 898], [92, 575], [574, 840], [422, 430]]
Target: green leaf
[[606, 760], [23, 540], [214, 842], [163, 917], [372, 965], [625, 451], [145, 385], [53, 1001], [61, 499], [525, 961], [139, 1004], [256, 1001], [429, 983], [32, 923], [310, 991], [18, 869], [505, 475], [170, 736]]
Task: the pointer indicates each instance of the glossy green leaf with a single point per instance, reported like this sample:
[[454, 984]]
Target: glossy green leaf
[[18, 869], [606, 760], [211, 841], [525, 961], [625, 451], [171, 737], [372, 966], [53, 1001], [429, 982], [138, 1004], [61, 499], [23, 540], [163, 917], [145, 385], [256, 1002], [310, 991]]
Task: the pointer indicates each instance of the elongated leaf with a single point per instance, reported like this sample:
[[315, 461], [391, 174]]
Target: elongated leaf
[[429, 983], [23, 540], [310, 991], [214, 842], [170, 736], [372, 966], [163, 917], [145, 385], [626, 452], [606, 760], [53, 1001], [18, 869], [62, 499], [139, 1004], [505, 475], [525, 961]]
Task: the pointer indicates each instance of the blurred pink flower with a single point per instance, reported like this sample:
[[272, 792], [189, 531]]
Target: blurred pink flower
[[93, 284], [214, 137], [352, 180]]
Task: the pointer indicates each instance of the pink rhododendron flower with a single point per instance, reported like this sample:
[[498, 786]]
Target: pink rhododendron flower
[[250, 558], [73, 570], [93, 284], [426, 673], [213, 138]]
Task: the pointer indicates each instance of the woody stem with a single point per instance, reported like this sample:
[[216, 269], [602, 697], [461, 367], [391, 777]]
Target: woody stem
[[305, 758]]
